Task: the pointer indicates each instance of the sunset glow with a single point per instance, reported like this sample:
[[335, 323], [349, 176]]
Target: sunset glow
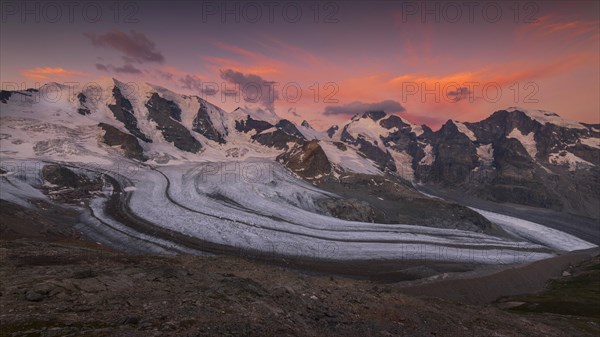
[[435, 63]]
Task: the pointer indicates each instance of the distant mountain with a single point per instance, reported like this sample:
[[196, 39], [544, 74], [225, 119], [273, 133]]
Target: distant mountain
[[529, 157]]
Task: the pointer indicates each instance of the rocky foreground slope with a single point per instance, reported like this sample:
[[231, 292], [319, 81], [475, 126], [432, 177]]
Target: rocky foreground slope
[[71, 288]]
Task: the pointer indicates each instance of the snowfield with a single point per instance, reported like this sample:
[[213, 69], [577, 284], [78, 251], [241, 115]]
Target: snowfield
[[257, 205]]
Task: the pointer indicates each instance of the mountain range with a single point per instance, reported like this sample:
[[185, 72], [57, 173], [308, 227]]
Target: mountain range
[[516, 155]]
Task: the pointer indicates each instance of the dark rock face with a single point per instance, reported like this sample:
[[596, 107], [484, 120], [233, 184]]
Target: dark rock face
[[278, 139], [517, 179], [374, 115], [83, 110], [128, 143], [306, 125], [500, 124], [69, 186], [289, 128], [5, 96], [307, 160], [60, 175], [511, 153], [455, 155], [401, 139], [394, 121], [204, 126], [514, 175], [401, 204], [163, 111], [252, 124], [586, 153], [174, 110], [123, 112], [283, 133], [332, 130], [340, 146]]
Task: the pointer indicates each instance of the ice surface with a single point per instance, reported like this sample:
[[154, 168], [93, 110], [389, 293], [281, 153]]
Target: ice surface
[[534, 232]]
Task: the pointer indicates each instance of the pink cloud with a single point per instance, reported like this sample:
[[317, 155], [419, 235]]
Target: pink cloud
[[49, 73]]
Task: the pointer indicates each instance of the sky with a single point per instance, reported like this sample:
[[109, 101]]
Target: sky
[[320, 61]]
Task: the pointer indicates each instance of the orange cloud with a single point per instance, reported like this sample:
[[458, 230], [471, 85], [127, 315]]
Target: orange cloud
[[433, 111], [48, 73], [237, 50], [551, 25], [503, 74]]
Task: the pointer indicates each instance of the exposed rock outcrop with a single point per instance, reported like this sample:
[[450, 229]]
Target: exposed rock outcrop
[[308, 160], [127, 142], [204, 126], [123, 112], [166, 114]]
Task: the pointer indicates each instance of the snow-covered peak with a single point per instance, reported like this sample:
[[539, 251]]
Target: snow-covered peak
[[547, 117], [368, 128]]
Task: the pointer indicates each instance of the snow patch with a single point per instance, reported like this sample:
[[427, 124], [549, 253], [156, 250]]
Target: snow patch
[[528, 141], [566, 158], [428, 159], [370, 130], [416, 129], [348, 160], [465, 130], [591, 142], [403, 162], [485, 154], [547, 117]]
